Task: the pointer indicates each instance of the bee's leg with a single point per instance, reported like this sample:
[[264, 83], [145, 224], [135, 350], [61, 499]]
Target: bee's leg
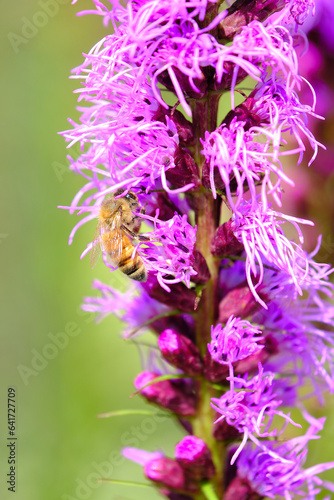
[[134, 235], [141, 237], [136, 221]]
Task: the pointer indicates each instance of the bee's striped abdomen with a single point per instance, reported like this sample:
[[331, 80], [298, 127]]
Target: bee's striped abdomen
[[133, 267]]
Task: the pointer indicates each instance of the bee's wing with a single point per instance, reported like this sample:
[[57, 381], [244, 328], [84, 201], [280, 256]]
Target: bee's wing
[[96, 249], [115, 237]]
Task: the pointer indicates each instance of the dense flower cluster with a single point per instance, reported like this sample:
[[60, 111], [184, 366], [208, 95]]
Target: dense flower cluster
[[241, 310]]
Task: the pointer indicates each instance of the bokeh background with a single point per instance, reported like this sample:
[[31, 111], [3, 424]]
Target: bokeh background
[[65, 368]]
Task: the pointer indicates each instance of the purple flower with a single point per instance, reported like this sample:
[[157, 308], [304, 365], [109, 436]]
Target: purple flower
[[270, 476], [237, 340], [135, 307], [134, 155], [141, 457], [245, 149], [301, 328], [299, 10], [261, 233], [242, 162], [270, 46], [164, 39], [250, 406], [175, 255], [280, 110], [169, 34]]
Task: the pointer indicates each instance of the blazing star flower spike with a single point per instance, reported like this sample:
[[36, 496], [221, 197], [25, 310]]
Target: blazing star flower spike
[[240, 313]]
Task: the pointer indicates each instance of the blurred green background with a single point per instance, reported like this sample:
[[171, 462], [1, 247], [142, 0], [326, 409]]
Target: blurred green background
[[62, 447]]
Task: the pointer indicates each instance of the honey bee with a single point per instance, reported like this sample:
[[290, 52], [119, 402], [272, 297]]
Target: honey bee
[[116, 225]]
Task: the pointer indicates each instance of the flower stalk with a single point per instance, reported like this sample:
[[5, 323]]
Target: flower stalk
[[241, 312], [207, 216]]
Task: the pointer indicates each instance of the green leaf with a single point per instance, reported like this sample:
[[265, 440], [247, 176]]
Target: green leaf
[[121, 413], [125, 483]]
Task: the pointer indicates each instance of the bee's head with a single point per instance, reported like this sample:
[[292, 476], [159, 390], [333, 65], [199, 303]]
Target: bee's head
[[130, 197]]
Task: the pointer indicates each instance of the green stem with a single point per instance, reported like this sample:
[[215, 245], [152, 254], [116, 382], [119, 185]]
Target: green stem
[[207, 219]]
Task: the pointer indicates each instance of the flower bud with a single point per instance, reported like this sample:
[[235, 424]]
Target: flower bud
[[179, 351], [183, 126], [181, 323], [225, 82], [222, 431], [162, 202], [165, 394], [166, 472], [183, 80], [185, 170], [180, 297], [242, 12], [200, 266], [240, 302], [195, 458], [214, 371], [250, 364], [224, 242], [218, 181], [240, 489], [244, 113]]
